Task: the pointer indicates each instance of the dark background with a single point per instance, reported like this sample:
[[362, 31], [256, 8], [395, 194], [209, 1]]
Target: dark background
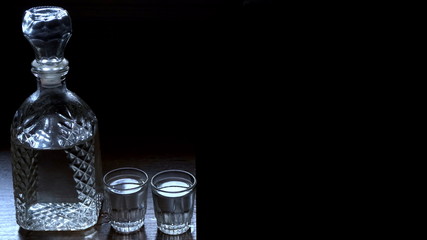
[[154, 71]]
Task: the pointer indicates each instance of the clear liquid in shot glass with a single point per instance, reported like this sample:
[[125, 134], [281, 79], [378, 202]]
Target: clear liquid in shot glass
[[173, 206], [127, 197]]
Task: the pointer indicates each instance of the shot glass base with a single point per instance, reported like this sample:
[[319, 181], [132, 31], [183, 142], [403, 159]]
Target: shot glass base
[[127, 227], [173, 229]]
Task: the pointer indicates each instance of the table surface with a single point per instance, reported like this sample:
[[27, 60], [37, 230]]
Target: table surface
[[153, 163]]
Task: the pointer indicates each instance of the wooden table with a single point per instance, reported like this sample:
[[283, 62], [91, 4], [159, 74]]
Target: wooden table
[[151, 163]]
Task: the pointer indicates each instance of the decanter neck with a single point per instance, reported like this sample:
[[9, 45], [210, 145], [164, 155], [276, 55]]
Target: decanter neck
[[48, 88], [52, 74]]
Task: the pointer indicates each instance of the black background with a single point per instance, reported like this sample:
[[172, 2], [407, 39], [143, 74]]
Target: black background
[[153, 71]]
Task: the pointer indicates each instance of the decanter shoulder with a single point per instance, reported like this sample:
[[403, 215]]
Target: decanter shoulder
[[53, 119], [56, 102]]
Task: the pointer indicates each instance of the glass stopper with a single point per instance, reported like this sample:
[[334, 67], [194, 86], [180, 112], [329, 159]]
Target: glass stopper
[[48, 29]]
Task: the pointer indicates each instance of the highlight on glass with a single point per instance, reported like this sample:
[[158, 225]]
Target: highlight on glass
[[173, 197], [126, 198]]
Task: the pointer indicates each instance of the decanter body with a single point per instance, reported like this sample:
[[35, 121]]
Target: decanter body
[[54, 138]]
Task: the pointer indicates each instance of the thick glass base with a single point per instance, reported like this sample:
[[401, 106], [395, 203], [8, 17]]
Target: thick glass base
[[57, 217], [174, 229], [127, 227]]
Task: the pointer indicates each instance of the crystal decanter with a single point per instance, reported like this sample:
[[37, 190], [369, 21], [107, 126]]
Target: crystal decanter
[[57, 175]]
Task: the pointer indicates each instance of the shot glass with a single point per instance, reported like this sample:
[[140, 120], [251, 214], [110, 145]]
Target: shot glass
[[173, 197], [126, 198]]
